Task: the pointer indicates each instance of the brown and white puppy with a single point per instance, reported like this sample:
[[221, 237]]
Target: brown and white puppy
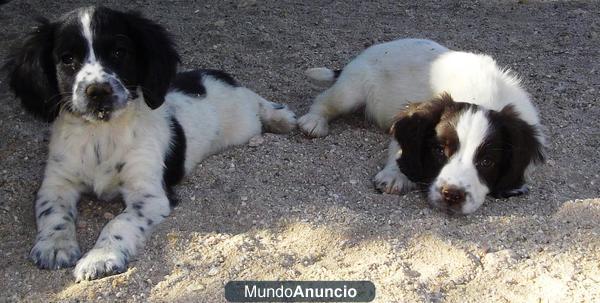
[[463, 151]]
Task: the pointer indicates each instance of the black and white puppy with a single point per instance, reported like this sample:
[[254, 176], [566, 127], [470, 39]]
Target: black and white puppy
[[462, 151], [124, 123]]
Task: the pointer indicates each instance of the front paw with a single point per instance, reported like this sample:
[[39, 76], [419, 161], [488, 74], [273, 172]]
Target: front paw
[[313, 125], [58, 251], [100, 262], [392, 181]]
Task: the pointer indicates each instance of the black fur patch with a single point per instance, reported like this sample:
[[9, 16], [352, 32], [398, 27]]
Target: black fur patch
[[59, 227], [190, 82], [119, 166], [97, 152], [32, 72], [520, 148], [173, 201], [156, 57], [175, 158], [45, 212], [220, 75]]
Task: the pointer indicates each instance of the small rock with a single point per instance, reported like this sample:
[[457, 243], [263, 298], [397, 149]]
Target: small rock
[[497, 259], [246, 3], [256, 141], [213, 271], [81, 224], [108, 216], [195, 287]]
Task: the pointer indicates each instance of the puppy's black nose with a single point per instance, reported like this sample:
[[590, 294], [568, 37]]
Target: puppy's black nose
[[452, 195], [99, 91]]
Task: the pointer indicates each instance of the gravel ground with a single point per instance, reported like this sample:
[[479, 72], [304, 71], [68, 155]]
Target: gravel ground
[[301, 209]]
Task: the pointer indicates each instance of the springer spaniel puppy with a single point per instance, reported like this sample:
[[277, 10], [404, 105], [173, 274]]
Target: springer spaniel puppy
[[124, 123], [462, 150]]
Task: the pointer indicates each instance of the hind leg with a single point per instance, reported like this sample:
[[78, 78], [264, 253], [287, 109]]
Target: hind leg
[[343, 97], [275, 117]]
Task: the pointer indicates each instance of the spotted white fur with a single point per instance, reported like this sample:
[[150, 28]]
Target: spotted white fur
[[125, 156]]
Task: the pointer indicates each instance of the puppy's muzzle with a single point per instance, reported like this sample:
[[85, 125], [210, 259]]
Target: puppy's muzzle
[[101, 99]]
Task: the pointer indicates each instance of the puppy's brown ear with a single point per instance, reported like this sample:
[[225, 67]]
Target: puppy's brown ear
[[522, 147], [414, 130]]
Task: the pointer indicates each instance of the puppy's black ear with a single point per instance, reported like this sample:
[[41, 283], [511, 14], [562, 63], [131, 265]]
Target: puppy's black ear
[[32, 73], [414, 130], [156, 55], [522, 147]]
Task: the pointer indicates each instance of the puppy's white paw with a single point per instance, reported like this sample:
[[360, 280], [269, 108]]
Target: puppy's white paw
[[313, 125], [54, 252], [282, 120], [100, 262], [392, 181]]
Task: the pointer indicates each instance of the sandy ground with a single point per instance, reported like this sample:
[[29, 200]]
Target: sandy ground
[[301, 209]]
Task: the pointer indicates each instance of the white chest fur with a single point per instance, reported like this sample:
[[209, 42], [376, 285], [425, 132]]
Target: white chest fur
[[98, 156]]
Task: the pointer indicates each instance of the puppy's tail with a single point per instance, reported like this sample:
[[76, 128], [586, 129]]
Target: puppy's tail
[[322, 77]]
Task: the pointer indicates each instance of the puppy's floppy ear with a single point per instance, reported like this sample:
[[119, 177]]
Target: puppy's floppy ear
[[413, 129], [32, 73], [522, 147], [156, 55]]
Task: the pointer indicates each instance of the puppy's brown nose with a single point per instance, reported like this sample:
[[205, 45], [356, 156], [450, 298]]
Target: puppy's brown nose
[[452, 195], [98, 91]]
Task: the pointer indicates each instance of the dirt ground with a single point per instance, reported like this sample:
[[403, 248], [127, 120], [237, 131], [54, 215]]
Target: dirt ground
[[299, 209]]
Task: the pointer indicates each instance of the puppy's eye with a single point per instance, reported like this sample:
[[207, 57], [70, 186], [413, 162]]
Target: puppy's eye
[[119, 53], [485, 163], [440, 150], [67, 59]]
